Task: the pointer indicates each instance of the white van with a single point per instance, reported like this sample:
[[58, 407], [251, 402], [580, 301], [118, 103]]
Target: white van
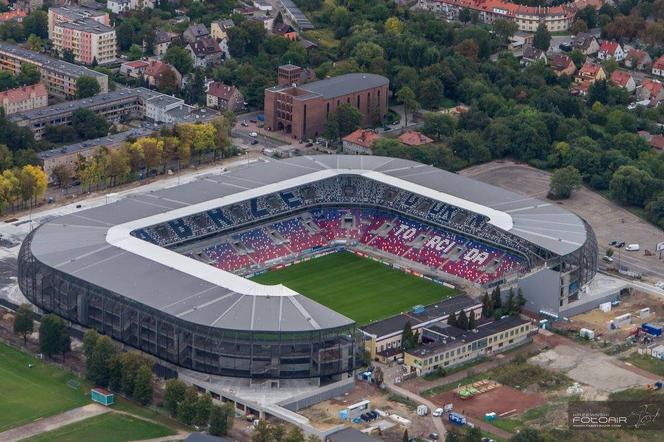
[[633, 248]]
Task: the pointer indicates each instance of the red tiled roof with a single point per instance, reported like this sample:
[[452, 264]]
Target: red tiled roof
[[23, 93], [157, 68], [221, 90], [12, 15], [414, 138], [657, 142], [609, 47], [205, 46], [589, 69], [362, 137], [653, 86], [659, 63], [137, 64], [636, 53], [620, 78]]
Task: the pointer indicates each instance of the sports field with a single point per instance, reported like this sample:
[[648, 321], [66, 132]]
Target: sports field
[[109, 427], [30, 393], [362, 289]]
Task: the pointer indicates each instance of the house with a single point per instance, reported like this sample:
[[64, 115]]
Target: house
[[414, 138], [658, 67], [532, 55], [585, 43], [520, 39], [611, 50], [219, 29], [162, 41], [195, 32], [13, 15], [225, 98], [263, 5], [651, 90], [360, 142], [657, 142], [561, 65], [205, 51], [590, 72], [154, 73], [638, 59], [134, 69], [24, 98], [624, 80], [285, 31]]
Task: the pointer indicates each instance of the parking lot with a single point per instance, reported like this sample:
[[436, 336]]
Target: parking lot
[[609, 221]]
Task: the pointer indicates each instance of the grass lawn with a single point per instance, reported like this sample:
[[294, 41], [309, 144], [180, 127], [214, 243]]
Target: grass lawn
[[647, 363], [109, 427], [360, 288], [30, 393]]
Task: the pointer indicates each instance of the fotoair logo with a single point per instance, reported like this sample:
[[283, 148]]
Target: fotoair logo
[[636, 415]]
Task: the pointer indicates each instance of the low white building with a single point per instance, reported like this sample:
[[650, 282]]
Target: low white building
[[121, 6]]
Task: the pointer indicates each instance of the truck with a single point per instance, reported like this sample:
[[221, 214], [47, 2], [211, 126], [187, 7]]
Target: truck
[[652, 329], [456, 418]]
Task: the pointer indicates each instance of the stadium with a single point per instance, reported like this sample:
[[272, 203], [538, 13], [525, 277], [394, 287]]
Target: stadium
[[170, 272]]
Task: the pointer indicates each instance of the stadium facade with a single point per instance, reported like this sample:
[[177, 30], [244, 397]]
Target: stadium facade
[[116, 268]]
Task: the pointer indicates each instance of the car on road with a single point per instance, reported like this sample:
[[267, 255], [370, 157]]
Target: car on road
[[254, 142], [607, 258], [565, 47], [396, 123], [660, 285], [437, 412], [252, 121], [617, 243], [434, 436], [253, 134], [386, 129], [244, 123], [633, 248]]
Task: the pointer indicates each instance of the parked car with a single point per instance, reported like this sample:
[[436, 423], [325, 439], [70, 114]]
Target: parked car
[[437, 412], [396, 123], [253, 134], [254, 142], [607, 258], [660, 285], [565, 47], [633, 248], [244, 123], [617, 243]]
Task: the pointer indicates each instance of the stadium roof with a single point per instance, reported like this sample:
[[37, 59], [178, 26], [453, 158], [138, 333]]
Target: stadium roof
[[95, 245]]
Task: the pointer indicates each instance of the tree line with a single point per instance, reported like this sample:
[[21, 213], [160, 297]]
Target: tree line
[[191, 408]]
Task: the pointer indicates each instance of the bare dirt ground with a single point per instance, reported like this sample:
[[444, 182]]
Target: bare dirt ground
[[598, 320], [608, 220], [501, 400], [326, 414]]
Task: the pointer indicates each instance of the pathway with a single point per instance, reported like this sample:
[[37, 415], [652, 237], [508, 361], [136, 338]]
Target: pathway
[[52, 423]]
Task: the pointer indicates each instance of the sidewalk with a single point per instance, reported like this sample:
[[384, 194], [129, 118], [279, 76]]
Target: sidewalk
[[54, 422]]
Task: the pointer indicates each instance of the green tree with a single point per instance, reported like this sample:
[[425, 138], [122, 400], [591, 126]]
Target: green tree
[[62, 175], [408, 340], [23, 322], [29, 75], [131, 363], [294, 435], [203, 408], [462, 320], [487, 306], [36, 23], [465, 15], [97, 364], [348, 119], [452, 319], [115, 372], [35, 44], [53, 336], [473, 434], [471, 321], [504, 29], [405, 437], [89, 341], [630, 185], [437, 125], [406, 96], [278, 433], [174, 394], [452, 436], [520, 300], [88, 125], [431, 93], [221, 419], [527, 435], [86, 86], [143, 387], [655, 210], [542, 38], [179, 58], [187, 408], [510, 302], [262, 432], [135, 52], [496, 298], [564, 182]]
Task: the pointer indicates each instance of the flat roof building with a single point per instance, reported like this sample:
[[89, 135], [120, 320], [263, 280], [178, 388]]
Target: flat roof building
[[303, 110], [58, 76], [85, 32]]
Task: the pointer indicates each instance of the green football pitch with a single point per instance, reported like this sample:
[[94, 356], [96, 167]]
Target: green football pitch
[[30, 393], [360, 288]]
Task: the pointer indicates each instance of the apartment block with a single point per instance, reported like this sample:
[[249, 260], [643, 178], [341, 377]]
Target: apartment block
[[58, 76], [85, 32], [24, 98]]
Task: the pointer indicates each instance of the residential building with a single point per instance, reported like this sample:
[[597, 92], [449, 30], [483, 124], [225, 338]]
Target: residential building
[[68, 155], [134, 69], [224, 97], [585, 43], [623, 79], [16, 15], [520, 39], [561, 64], [360, 142], [24, 98], [121, 6], [611, 50], [155, 72], [527, 18], [303, 110], [205, 52], [414, 138], [58, 76], [162, 41], [285, 30], [116, 106], [590, 72], [657, 143], [638, 59], [532, 55], [219, 29], [651, 90], [383, 338], [658, 67], [85, 32], [194, 32], [449, 346]]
